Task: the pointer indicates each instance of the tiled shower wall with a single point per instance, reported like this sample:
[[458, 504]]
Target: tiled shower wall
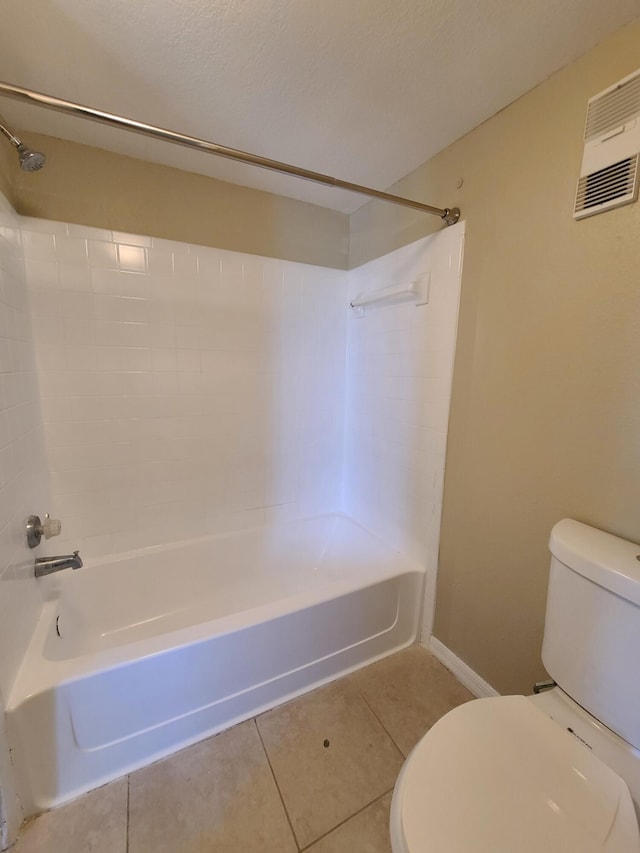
[[23, 467], [185, 390], [399, 373], [23, 486]]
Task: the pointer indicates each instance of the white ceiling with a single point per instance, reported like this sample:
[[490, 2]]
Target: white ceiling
[[364, 90]]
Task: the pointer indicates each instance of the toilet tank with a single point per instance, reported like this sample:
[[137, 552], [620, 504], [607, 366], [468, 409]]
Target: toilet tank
[[591, 642]]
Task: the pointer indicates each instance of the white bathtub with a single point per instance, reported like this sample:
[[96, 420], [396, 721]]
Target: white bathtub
[[149, 652]]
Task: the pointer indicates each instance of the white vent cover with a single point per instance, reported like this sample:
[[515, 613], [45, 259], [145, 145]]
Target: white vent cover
[[609, 174]]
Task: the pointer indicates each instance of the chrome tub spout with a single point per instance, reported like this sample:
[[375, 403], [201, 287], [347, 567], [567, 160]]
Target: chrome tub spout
[[48, 565]]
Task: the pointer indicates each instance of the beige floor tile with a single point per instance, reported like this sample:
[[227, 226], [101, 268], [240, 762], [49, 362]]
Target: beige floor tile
[[409, 692], [94, 823], [366, 832], [323, 786], [218, 795]]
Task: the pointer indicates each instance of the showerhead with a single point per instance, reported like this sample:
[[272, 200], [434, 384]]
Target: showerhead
[[30, 161]]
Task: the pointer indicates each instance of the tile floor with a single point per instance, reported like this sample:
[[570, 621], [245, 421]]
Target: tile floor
[[315, 774]]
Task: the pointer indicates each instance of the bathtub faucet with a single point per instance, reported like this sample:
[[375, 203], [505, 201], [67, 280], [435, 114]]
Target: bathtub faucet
[[48, 565]]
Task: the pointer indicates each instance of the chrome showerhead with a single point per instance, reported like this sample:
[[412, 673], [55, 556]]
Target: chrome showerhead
[[30, 161]]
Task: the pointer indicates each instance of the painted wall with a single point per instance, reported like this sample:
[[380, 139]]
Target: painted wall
[[185, 390], [89, 186], [545, 412], [399, 371]]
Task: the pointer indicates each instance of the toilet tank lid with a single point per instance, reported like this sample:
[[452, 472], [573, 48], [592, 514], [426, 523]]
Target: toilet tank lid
[[607, 560]]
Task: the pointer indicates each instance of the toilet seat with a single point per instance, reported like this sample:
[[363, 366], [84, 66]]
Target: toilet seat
[[499, 776]]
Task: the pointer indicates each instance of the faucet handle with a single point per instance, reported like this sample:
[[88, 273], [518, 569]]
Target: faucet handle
[[36, 529], [51, 527]]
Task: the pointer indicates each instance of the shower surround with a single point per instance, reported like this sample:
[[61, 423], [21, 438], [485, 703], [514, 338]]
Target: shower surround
[[188, 390]]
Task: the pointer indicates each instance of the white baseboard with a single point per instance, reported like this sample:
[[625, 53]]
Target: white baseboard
[[465, 675]]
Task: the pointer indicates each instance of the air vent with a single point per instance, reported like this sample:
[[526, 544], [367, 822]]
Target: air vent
[[610, 187], [613, 108], [609, 172]]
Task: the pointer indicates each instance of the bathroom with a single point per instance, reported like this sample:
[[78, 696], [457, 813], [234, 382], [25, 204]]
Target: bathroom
[[123, 235]]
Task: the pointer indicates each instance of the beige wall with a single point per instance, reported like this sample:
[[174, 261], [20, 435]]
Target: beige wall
[[545, 417], [90, 186]]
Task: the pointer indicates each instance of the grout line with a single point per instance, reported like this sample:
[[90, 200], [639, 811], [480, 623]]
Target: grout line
[[128, 803], [284, 805], [388, 733], [346, 820]]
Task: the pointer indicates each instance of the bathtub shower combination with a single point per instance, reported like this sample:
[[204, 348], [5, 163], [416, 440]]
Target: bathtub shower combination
[[149, 647], [212, 392], [137, 657]]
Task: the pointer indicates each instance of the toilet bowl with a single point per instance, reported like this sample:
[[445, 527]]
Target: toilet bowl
[[517, 774], [500, 776]]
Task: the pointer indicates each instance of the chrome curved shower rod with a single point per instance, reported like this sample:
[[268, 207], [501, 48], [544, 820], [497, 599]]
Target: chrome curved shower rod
[[449, 215]]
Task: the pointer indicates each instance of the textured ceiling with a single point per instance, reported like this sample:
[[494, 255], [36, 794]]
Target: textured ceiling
[[364, 90]]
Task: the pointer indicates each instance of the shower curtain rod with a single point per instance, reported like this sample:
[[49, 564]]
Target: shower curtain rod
[[449, 215]]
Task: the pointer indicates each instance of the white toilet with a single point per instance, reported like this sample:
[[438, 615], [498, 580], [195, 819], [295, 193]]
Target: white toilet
[[555, 772]]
